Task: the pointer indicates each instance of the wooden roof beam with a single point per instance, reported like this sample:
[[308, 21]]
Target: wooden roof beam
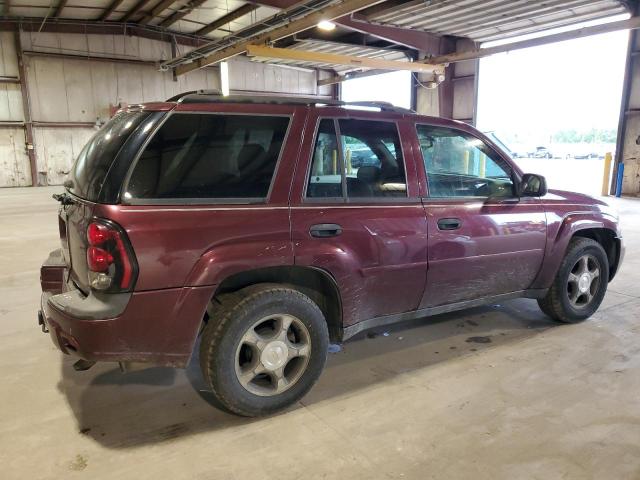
[[262, 51]]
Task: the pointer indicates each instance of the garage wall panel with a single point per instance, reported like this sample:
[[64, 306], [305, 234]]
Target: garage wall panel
[[56, 148], [78, 90], [10, 95], [11, 103], [8, 59], [47, 87], [14, 163]]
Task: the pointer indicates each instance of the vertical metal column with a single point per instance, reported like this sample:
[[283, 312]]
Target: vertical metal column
[[626, 107], [26, 108]]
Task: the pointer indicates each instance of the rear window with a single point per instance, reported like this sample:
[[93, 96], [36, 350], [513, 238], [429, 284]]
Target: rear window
[[91, 167], [209, 156]]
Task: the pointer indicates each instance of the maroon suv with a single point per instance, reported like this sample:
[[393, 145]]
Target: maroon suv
[[271, 227]]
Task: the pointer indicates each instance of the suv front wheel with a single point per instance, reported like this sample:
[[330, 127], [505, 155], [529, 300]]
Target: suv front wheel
[[264, 349], [581, 282]]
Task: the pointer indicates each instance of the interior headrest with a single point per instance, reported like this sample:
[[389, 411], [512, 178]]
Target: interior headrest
[[249, 153], [368, 173]]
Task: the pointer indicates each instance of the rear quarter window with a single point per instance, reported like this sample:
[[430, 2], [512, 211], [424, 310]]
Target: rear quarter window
[[92, 165], [209, 156]]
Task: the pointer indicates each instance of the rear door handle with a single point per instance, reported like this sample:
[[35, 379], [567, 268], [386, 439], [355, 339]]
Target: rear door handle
[[449, 224], [324, 230]]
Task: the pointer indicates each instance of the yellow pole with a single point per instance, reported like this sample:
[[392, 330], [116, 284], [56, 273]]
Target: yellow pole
[[606, 174], [466, 162], [348, 159], [335, 162], [483, 165]]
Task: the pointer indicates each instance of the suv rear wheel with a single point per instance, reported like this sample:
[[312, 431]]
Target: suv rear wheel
[[264, 350], [581, 282]]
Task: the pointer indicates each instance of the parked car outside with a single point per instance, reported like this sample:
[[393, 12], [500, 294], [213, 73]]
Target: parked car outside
[[231, 227], [542, 152]]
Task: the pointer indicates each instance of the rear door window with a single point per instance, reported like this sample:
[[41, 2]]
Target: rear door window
[[364, 161], [325, 179], [374, 166], [90, 168], [209, 156]]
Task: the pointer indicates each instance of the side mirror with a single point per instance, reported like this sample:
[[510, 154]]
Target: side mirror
[[533, 185]]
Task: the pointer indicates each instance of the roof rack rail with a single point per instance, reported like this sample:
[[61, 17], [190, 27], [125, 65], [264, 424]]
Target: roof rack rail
[[215, 96]]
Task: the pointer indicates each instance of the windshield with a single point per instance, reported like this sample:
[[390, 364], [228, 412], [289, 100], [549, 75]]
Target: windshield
[[95, 159], [498, 141]]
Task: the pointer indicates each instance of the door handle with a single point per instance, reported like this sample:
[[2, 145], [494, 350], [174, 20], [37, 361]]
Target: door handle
[[324, 230], [449, 224]]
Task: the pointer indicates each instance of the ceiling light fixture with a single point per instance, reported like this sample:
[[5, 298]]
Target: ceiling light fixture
[[326, 25]]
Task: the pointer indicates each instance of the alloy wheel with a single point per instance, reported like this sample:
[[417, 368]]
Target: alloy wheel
[[273, 354], [583, 282]]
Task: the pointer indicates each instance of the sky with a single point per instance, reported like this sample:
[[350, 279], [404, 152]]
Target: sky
[[576, 84], [529, 94], [394, 87]]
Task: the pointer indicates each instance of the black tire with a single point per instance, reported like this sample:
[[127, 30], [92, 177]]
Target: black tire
[[222, 339], [557, 304]]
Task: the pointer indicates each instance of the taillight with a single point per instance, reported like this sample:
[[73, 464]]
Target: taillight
[[109, 259]]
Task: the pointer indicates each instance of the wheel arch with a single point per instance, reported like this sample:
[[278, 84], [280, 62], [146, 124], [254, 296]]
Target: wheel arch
[[609, 241], [316, 283], [600, 227]]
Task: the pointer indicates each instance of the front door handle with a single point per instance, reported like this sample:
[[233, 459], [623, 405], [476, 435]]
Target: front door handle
[[324, 230], [449, 224]]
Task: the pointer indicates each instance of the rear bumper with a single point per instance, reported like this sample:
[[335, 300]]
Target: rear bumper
[[157, 327]]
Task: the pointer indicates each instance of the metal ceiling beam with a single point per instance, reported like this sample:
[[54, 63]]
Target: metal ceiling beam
[[155, 11], [180, 14], [59, 8], [302, 23], [110, 9], [336, 59], [85, 27], [415, 39], [632, 23], [228, 18], [133, 11], [280, 4]]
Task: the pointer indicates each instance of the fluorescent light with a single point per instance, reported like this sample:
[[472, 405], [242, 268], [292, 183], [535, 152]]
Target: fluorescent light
[[326, 25], [224, 78]]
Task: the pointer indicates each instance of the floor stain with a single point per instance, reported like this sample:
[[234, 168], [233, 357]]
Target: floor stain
[[79, 464], [478, 340]]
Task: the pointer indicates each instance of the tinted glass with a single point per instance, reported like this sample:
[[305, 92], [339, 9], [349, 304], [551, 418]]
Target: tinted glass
[[460, 165], [90, 168], [209, 156], [373, 159], [325, 179]]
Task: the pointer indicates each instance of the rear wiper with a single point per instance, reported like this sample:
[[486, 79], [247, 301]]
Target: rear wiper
[[64, 198]]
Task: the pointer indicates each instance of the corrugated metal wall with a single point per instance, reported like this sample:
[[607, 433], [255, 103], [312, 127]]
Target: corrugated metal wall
[[83, 91], [14, 163]]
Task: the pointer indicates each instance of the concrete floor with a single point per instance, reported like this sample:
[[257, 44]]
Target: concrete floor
[[496, 392]]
